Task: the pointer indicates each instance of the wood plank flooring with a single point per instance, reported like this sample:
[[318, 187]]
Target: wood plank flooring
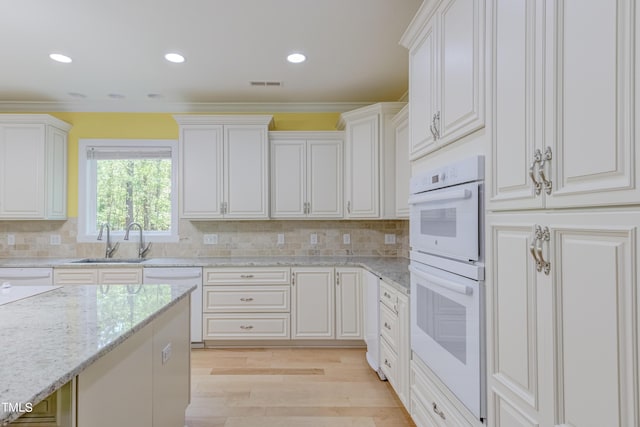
[[290, 387]]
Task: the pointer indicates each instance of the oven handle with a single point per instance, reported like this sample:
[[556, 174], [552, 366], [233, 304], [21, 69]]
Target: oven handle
[[447, 284], [439, 196]]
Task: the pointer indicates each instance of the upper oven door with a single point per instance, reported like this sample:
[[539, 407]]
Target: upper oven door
[[445, 222]]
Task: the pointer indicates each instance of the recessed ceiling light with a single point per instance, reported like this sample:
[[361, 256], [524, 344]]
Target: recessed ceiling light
[[296, 58], [77, 95], [60, 58], [174, 57], [155, 95], [115, 96]]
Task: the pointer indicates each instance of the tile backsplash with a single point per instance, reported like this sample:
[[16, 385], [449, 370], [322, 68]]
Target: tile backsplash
[[235, 238]]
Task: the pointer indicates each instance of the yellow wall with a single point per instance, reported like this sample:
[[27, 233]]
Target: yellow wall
[[155, 126]]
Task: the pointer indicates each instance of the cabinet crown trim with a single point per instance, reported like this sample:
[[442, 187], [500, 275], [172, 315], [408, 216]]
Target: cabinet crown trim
[[224, 119], [418, 23], [379, 108], [320, 134], [37, 119]]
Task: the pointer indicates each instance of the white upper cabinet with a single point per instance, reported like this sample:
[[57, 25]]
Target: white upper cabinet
[[370, 161], [563, 122], [306, 174], [33, 167], [224, 166], [403, 167], [446, 73]]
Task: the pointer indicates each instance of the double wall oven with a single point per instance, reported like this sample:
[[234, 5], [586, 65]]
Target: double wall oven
[[447, 277]]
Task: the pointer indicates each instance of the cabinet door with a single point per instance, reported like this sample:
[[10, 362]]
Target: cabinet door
[[75, 276], [518, 324], [56, 173], [595, 310], [349, 316], [246, 163], [403, 169], [324, 179], [422, 93], [201, 171], [590, 104], [362, 180], [460, 68], [517, 76], [288, 178], [312, 303], [22, 187], [120, 276]]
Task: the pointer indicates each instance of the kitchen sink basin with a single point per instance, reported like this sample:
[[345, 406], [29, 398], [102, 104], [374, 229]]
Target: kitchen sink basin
[[109, 261]]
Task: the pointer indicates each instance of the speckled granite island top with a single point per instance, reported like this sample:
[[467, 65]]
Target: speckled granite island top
[[392, 270], [48, 339]]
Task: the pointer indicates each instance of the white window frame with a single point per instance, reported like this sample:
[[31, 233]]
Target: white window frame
[[87, 186]]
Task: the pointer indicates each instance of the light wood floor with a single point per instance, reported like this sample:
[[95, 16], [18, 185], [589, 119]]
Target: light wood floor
[[289, 387]]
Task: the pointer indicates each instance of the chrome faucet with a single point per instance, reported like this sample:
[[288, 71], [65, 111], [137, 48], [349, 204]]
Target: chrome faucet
[[110, 249], [142, 250]]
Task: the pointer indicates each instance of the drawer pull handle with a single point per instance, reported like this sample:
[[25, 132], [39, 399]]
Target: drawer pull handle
[[246, 276], [247, 327], [386, 362], [387, 295], [386, 325], [246, 299], [438, 411]]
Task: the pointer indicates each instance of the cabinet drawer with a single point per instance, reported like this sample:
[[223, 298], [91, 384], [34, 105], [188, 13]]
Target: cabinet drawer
[[389, 326], [439, 406], [230, 299], [128, 276], [247, 276], [246, 326], [389, 362], [388, 296], [74, 277]]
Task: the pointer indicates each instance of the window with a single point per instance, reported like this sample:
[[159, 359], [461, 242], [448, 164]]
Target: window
[[125, 181]]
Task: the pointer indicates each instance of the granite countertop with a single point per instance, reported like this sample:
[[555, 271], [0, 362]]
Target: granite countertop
[[394, 271], [50, 338]]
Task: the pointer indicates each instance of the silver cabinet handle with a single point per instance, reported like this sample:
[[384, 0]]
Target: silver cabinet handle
[[246, 327], [434, 125], [537, 158], [386, 362], [540, 235], [541, 168], [349, 207], [246, 299], [438, 411], [246, 276], [293, 279], [386, 325], [387, 295]]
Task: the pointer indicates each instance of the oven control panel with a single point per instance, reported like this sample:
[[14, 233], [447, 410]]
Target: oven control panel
[[466, 170]]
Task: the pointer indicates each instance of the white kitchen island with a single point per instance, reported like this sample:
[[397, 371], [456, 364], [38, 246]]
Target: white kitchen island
[[120, 353]]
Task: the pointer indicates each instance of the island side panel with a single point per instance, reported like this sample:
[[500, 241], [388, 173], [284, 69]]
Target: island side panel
[[117, 389], [171, 379]]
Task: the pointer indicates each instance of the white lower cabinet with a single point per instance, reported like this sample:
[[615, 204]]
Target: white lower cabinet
[[102, 276], [349, 303], [246, 303], [563, 341], [313, 303], [395, 345]]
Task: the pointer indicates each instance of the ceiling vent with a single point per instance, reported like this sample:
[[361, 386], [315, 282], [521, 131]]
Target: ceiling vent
[[265, 84]]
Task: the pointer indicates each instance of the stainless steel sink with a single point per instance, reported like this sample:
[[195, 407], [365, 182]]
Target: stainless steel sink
[[109, 261]]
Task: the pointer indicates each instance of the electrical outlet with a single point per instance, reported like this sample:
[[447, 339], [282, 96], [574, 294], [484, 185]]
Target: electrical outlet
[[281, 238], [11, 239], [346, 239], [166, 353], [210, 239], [313, 239], [389, 239], [55, 239]]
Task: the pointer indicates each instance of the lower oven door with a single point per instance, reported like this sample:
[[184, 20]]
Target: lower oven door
[[447, 331], [445, 222]]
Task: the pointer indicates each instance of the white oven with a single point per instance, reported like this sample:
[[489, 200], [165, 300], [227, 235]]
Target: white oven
[[447, 278], [445, 208]]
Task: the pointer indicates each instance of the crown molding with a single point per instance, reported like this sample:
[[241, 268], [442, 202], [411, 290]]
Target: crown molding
[[116, 106]]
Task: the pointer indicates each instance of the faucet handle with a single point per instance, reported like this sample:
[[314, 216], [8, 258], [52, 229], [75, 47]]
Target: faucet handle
[[144, 251], [110, 251]]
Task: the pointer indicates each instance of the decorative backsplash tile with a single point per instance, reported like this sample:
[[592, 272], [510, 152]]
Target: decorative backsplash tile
[[235, 238]]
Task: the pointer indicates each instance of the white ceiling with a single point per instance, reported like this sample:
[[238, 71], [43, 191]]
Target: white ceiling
[[118, 46]]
